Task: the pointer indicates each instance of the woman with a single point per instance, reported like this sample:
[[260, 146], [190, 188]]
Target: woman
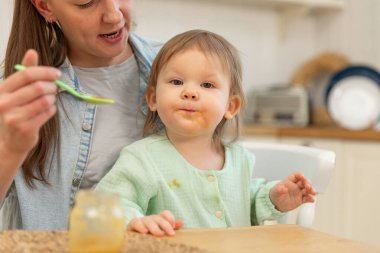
[[52, 145]]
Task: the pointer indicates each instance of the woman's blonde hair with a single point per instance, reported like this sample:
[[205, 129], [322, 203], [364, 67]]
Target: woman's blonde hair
[[30, 30], [210, 44]]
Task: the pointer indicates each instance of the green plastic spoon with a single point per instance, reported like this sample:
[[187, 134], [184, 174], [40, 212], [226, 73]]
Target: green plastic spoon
[[88, 98]]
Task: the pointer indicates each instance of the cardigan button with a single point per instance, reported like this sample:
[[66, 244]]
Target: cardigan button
[[210, 178], [86, 126], [218, 214]]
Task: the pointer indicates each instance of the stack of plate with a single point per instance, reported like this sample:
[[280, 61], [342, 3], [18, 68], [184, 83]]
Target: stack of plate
[[353, 97]]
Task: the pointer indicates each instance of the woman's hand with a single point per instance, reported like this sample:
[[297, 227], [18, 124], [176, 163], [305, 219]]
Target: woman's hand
[[27, 101], [158, 225], [292, 192]]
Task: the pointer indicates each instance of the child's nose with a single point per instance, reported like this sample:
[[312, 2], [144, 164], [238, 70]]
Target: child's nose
[[186, 94]]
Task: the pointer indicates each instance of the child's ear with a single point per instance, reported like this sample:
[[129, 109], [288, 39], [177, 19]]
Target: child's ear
[[233, 107], [150, 97]]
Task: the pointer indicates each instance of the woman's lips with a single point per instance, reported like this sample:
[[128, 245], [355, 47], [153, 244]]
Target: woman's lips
[[113, 37]]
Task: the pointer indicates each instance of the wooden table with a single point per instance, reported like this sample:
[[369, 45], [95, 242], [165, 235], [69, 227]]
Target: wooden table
[[268, 239]]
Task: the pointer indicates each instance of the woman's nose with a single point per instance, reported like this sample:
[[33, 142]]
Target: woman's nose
[[112, 13], [186, 94]]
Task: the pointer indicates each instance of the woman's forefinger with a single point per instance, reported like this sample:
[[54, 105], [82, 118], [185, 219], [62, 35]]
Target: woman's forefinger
[[27, 76]]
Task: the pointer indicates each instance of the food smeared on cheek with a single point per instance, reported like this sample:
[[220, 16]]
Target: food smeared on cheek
[[198, 118], [201, 120]]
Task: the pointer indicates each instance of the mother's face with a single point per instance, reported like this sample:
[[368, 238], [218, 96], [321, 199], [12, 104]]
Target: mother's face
[[96, 30]]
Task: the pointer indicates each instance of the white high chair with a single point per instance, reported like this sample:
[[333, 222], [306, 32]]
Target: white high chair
[[276, 161]]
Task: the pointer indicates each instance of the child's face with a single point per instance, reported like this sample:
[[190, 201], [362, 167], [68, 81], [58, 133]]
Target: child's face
[[193, 94]]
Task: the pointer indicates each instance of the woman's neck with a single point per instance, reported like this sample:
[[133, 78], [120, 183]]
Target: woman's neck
[[92, 61], [200, 151]]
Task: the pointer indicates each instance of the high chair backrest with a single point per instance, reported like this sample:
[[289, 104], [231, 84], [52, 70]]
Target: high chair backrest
[[276, 161]]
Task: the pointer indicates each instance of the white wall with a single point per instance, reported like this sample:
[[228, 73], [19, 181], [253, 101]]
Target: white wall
[[6, 11], [354, 32], [5, 21]]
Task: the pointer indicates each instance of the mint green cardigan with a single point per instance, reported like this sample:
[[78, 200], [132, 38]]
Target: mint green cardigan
[[151, 176]]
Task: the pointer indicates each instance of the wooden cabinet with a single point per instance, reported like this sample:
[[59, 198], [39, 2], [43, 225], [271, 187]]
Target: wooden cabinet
[[317, 4], [361, 190], [349, 208]]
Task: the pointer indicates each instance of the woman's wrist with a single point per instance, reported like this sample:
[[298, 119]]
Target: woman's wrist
[[10, 162], [9, 157]]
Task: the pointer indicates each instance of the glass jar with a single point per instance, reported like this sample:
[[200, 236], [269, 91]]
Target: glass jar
[[96, 223]]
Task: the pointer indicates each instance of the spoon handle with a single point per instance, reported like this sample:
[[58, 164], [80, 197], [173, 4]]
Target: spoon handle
[[72, 91], [59, 83], [67, 88]]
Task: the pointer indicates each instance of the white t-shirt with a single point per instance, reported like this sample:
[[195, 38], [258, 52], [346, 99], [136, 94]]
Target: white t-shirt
[[115, 125]]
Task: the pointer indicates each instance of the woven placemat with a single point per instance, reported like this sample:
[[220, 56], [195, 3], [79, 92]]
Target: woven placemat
[[26, 241]]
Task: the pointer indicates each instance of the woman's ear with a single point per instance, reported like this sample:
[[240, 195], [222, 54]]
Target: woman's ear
[[44, 10], [150, 97], [233, 107]]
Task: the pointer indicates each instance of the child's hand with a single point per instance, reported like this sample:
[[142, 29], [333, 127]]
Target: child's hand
[[292, 192], [158, 225]]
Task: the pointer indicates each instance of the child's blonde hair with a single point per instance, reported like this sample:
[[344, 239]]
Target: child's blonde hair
[[210, 44]]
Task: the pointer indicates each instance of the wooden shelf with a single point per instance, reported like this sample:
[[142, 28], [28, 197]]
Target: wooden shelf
[[292, 4], [310, 4], [312, 132]]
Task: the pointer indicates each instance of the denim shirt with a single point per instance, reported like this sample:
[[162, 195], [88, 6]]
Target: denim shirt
[[47, 207]]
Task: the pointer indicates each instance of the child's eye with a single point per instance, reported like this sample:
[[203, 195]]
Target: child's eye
[[176, 82], [86, 5], [207, 85]]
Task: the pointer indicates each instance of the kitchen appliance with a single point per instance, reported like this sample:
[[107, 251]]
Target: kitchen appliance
[[278, 106]]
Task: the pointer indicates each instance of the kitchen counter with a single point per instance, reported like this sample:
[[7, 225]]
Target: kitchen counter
[[312, 132]]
